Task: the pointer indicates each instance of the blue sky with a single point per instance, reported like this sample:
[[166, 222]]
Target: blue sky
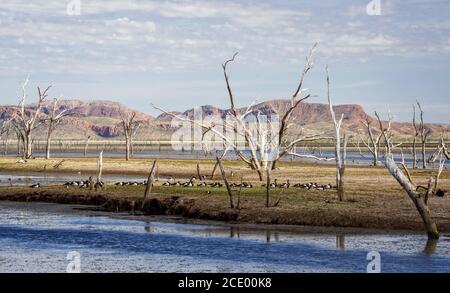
[[169, 52]]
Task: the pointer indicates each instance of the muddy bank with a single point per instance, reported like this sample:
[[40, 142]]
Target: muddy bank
[[206, 208], [173, 205]]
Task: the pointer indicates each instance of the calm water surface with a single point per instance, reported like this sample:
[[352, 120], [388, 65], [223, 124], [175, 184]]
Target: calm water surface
[[36, 237]]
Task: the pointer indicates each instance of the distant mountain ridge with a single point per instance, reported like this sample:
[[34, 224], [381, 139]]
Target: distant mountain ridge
[[102, 118]]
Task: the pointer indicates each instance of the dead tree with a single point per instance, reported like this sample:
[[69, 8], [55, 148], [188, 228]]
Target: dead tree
[[372, 142], [52, 121], [149, 184], [419, 195], [86, 144], [20, 138], [5, 130], [424, 133], [340, 145], [416, 134], [27, 120], [100, 167], [227, 185], [440, 153], [265, 140], [129, 125]]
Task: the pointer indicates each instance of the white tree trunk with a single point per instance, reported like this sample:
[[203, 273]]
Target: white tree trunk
[[416, 198]]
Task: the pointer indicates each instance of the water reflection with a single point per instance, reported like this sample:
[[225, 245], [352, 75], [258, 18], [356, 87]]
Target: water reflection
[[430, 247], [340, 241], [169, 244]]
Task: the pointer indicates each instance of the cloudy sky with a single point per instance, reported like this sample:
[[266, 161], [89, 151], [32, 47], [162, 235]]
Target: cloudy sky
[[169, 52]]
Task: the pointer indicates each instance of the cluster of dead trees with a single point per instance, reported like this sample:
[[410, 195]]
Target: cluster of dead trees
[[372, 141], [267, 140], [380, 143], [418, 194], [24, 121], [265, 149]]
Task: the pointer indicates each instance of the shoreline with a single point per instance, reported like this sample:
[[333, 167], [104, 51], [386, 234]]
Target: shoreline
[[373, 200], [91, 211], [189, 208]]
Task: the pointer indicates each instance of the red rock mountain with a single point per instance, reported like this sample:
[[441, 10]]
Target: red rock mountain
[[103, 118]]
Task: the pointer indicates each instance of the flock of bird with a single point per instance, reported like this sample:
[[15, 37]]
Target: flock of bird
[[130, 183], [309, 185], [275, 184], [191, 183], [83, 184]]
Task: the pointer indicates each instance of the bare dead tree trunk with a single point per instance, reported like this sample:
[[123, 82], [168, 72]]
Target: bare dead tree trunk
[[198, 172], [52, 121], [5, 130], [419, 200], [341, 170], [131, 148], [414, 144], [414, 153], [28, 145], [47, 147], [224, 177], [340, 152], [267, 188], [424, 133], [214, 171], [129, 128], [86, 144], [100, 167], [150, 180], [19, 139], [416, 198], [127, 148], [238, 206]]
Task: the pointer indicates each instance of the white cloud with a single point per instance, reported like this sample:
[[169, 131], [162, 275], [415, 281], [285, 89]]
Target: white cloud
[[180, 34]]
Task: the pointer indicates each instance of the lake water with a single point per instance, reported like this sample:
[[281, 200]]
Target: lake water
[[36, 237], [363, 158]]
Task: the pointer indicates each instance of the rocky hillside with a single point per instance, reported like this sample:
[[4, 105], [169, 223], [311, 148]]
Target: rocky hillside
[[102, 119], [315, 117]]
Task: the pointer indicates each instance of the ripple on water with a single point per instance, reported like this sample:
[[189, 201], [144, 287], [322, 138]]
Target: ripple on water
[[36, 240]]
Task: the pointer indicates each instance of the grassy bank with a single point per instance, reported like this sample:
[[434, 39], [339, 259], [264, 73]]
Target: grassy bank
[[373, 200]]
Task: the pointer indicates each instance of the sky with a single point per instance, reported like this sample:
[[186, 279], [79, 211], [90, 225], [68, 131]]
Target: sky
[[384, 56]]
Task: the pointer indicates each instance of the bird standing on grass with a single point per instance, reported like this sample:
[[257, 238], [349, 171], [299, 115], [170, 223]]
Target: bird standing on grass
[[37, 185]]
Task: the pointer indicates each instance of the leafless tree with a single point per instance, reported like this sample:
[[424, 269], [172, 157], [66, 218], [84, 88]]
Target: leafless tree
[[266, 141], [440, 150], [424, 133], [416, 134], [419, 195], [52, 121], [100, 167], [26, 120], [371, 141], [130, 126], [20, 138], [340, 145], [86, 143], [4, 131]]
